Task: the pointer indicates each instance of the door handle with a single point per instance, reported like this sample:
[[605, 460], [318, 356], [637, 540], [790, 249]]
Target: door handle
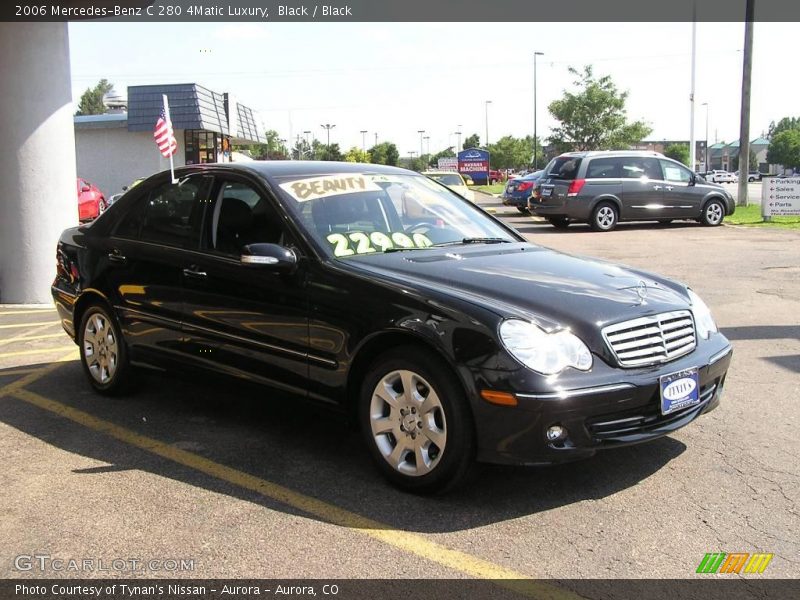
[[656, 187], [192, 273], [669, 188], [115, 257]]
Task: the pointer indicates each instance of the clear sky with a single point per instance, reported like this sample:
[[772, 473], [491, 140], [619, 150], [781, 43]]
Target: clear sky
[[398, 78]]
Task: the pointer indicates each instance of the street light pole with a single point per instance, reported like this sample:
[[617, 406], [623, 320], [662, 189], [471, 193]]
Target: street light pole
[[692, 148], [488, 102], [420, 132], [328, 127], [458, 140], [363, 140], [428, 145], [535, 138]]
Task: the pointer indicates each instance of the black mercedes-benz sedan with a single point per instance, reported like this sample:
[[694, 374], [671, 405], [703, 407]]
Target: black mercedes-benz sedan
[[380, 292]]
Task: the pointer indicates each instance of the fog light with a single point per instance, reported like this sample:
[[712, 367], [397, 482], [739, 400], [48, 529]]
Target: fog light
[[555, 433]]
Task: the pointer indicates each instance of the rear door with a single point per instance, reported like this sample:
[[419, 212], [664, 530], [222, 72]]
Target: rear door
[[642, 188], [143, 258]]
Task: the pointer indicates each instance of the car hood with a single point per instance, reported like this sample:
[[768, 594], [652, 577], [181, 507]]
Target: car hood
[[532, 282]]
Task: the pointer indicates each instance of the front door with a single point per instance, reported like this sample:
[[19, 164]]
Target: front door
[[681, 198], [246, 320]]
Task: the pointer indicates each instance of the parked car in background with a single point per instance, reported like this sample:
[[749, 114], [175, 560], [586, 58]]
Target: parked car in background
[[496, 176], [125, 188], [91, 202], [721, 177], [455, 181], [603, 188], [519, 190], [375, 292]]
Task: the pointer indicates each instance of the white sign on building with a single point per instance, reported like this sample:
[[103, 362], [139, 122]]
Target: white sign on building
[[780, 197]]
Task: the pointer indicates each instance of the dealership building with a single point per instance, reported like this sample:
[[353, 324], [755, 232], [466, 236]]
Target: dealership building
[[115, 148]]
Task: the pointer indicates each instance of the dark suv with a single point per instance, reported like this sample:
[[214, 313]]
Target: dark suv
[[605, 187]]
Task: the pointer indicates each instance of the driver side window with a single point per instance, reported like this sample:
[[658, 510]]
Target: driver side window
[[242, 216]]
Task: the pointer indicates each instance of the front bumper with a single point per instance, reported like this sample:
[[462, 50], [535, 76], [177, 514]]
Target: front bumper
[[606, 408]]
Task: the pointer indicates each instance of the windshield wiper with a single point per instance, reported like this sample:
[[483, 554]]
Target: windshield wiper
[[484, 241], [404, 248]]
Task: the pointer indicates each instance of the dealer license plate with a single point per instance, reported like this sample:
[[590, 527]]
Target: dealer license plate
[[546, 192], [679, 390]]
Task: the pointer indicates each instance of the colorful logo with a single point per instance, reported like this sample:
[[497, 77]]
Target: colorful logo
[[734, 562]]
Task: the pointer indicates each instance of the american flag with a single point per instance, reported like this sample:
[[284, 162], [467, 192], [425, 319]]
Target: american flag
[[165, 137]]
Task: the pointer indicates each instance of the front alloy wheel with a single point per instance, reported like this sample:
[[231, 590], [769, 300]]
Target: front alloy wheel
[[416, 421], [713, 213]]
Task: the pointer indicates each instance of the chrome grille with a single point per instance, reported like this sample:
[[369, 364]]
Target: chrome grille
[[654, 339]]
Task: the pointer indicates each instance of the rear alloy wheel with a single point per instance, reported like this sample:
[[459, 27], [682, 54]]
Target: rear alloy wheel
[[103, 352], [604, 217], [559, 222], [416, 422], [713, 213]]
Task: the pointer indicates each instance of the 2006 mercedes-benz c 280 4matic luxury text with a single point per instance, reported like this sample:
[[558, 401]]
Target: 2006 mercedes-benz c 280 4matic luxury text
[[379, 291]]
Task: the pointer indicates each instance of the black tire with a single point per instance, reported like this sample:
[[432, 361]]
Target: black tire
[[388, 430], [604, 217], [559, 222], [524, 210], [713, 213], [104, 356]]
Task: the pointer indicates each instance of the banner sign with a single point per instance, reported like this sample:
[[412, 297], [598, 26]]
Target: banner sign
[[474, 162]]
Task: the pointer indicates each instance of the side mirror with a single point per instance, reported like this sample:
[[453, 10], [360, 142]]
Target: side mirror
[[693, 179], [270, 256], [124, 188], [86, 188]]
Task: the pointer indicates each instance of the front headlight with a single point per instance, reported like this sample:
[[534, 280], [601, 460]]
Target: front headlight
[[703, 320], [545, 353]]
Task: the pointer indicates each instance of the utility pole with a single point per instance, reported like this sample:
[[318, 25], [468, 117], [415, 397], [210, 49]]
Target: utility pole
[[535, 137], [744, 129], [706, 158]]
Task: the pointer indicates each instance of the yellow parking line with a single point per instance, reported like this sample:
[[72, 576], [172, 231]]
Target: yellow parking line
[[26, 337], [36, 311], [408, 542], [39, 351], [20, 325], [30, 338], [5, 373], [36, 374]]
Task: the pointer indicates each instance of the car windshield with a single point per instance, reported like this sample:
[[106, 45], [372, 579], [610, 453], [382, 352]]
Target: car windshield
[[447, 178], [352, 214]]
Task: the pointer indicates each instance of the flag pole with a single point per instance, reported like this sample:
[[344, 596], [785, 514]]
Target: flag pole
[[169, 124]]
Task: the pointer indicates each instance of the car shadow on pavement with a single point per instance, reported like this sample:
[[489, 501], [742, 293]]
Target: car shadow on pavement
[[540, 227], [300, 447], [762, 332]]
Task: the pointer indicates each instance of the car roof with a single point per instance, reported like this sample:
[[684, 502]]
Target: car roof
[[592, 153], [441, 173], [281, 168]]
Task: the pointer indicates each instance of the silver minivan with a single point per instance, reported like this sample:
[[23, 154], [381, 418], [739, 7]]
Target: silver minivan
[[604, 187]]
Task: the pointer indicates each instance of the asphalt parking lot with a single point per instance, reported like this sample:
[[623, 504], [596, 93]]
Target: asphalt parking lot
[[235, 483]]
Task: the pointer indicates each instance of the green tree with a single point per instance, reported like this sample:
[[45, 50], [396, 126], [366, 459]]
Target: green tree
[[784, 149], [512, 153], [594, 118], [92, 99], [385, 153], [331, 152], [473, 141], [356, 155], [785, 124], [679, 152], [274, 149], [433, 160]]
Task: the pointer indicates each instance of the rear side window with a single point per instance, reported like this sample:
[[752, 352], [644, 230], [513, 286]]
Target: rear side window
[[563, 167], [637, 167], [604, 168], [171, 214]]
